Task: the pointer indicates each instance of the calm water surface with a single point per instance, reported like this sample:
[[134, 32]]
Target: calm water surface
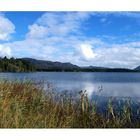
[[103, 84]]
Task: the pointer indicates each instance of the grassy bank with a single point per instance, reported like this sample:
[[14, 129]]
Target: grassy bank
[[27, 105]]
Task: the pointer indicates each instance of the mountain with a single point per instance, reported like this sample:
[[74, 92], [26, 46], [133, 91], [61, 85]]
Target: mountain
[[137, 68], [105, 69], [43, 65]]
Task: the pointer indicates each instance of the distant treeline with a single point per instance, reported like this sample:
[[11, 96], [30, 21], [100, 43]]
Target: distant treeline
[[33, 65], [15, 65], [86, 70]]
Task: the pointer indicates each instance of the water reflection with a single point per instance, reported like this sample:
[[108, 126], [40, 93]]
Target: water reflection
[[102, 84], [90, 89], [119, 90]]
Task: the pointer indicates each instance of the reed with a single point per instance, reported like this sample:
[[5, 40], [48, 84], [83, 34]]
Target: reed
[[27, 105]]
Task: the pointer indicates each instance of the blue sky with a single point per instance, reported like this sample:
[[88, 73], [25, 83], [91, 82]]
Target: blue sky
[[110, 39]]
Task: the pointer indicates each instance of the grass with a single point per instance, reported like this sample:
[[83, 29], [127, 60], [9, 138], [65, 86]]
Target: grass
[[27, 105]]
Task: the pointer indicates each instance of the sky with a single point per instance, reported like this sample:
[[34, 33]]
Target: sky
[[107, 39]]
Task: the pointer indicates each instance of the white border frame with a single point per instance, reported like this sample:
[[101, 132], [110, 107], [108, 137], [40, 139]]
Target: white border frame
[[69, 5]]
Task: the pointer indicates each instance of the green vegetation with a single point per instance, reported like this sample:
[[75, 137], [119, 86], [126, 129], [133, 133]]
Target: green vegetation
[[27, 105], [15, 65]]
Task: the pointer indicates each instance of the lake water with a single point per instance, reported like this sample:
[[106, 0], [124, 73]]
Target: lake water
[[101, 83]]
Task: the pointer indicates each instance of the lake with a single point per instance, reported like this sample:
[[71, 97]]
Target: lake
[[105, 84]]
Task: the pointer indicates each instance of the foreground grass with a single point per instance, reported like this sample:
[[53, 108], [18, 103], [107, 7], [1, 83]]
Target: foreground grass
[[27, 105]]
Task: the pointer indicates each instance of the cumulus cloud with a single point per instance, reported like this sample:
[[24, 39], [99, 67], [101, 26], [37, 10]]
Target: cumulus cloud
[[6, 28], [86, 51], [37, 31], [31, 48], [118, 56], [5, 51], [115, 56], [57, 24]]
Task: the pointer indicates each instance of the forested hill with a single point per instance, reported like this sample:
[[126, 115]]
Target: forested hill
[[30, 65], [43, 65], [15, 65]]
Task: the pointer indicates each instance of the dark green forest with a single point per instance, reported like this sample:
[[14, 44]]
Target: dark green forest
[[15, 65]]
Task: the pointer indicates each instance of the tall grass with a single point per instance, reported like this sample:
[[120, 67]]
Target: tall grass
[[27, 105]]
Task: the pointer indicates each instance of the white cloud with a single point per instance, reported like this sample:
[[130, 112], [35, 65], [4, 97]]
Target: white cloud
[[6, 28], [122, 56], [5, 51], [118, 56], [37, 31], [86, 51], [80, 52], [118, 14], [36, 48], [57, 24]]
